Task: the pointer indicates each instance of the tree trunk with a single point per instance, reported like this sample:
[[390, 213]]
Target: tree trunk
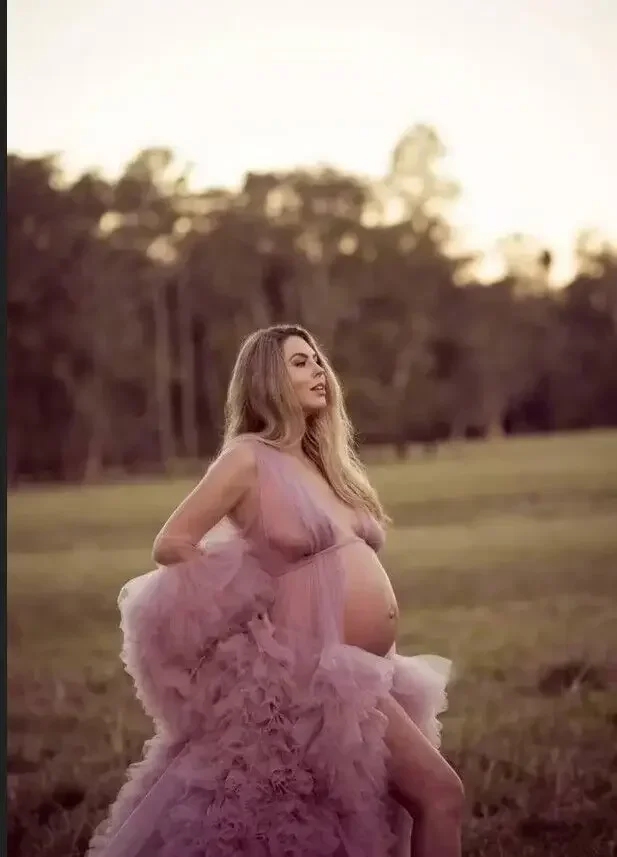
[[93, 413], [494, 421], [162, 347], [214, 390], [397, 390], [495, 429], [190, 437], [93, 465], [401, 448]]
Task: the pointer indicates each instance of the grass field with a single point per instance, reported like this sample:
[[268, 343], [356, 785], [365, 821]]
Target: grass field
[[504, 558]]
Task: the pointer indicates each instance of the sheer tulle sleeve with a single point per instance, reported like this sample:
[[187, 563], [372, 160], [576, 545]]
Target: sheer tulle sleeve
[[172, 618]]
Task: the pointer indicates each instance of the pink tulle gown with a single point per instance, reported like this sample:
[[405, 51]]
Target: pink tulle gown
[[269, 740]]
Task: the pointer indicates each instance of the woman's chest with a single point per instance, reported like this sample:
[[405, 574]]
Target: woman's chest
[[296, 514]]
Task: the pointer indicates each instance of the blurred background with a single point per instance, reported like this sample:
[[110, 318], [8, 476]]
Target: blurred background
[[431, 189]]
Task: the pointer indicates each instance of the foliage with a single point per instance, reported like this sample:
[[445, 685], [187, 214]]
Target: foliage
[[127, 301]]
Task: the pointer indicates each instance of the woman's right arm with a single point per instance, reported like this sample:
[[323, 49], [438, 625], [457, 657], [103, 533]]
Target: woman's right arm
[[222, 489]]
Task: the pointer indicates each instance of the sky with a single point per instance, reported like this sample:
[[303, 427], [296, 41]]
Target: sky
[[522, 92]]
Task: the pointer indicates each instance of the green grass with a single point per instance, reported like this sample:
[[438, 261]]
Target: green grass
[[504, 558]]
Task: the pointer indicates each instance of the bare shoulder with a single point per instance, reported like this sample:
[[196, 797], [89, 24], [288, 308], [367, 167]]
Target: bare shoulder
[[236, 462]]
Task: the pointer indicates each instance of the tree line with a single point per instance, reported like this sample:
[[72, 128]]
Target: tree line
[[127, 300]]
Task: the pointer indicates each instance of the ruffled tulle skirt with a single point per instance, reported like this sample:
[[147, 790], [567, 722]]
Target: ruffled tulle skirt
[[266, 745]]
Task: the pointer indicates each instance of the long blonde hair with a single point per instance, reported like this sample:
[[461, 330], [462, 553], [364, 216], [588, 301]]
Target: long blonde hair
[[261, 400]]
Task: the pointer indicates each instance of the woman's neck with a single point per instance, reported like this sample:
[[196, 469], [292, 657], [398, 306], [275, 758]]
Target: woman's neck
[[296, 449]]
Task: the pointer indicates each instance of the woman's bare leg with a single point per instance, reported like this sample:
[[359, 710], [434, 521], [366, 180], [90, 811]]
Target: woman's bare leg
[[425, 784]]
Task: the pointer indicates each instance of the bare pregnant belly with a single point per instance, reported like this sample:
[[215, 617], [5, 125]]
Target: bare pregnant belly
[[370, 613]]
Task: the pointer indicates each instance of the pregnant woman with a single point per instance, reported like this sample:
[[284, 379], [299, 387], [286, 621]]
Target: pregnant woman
[[263, 647]]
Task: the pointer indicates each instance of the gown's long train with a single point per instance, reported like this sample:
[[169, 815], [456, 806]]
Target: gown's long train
[[269, 739]]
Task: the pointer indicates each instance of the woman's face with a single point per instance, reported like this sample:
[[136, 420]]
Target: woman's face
[[307, 375]]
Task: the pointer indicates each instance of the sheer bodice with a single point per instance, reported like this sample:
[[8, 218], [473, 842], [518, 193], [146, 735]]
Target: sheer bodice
[[322, 553]]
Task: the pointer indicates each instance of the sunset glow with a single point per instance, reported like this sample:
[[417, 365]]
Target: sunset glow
[[522, 93]]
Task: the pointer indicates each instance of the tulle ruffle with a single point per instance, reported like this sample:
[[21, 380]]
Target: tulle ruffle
[[267, 745]]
